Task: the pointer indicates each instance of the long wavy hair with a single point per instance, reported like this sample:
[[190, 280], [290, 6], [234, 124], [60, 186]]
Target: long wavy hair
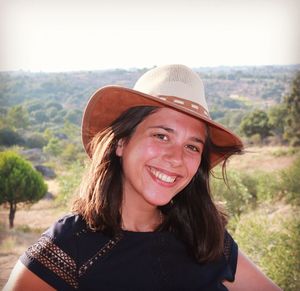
[[192, 215]]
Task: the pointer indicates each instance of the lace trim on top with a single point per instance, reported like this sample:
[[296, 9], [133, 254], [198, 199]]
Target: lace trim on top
[[104, 250], [54, 259], [227, 246]]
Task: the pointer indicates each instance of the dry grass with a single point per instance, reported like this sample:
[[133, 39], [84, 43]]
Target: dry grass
[[262, 159], [12, 245]]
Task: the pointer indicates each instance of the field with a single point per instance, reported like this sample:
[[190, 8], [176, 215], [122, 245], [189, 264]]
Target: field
[[31, 221]]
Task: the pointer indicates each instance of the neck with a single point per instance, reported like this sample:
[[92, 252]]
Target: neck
[[140, 219]]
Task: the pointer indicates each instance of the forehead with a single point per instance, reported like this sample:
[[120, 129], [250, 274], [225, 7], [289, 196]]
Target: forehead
[[170, 117]]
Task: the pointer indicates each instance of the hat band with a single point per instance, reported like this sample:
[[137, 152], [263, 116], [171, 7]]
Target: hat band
[[188, 105]]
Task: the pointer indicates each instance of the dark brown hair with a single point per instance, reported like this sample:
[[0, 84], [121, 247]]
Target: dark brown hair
[[192, 215]]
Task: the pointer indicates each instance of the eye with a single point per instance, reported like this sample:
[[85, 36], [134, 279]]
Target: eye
[[161, 136], [193, 148]]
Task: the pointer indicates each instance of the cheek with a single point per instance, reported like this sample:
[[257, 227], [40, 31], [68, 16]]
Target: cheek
[[149, 150], [140, 153], [193, 166], [153, 150]]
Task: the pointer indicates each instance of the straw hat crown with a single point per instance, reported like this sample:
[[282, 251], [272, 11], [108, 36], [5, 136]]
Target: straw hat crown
[[173, 80]]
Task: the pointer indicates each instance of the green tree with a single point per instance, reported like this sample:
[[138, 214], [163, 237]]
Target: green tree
[[277, 116], [18, 117], [40, 116], [33, 106], [54, 147], [256, 122], [292, 102], [232, 119], [9, 137], [19, 182], [36, 140], [53, 104], [48, 134], [3, 113], [69, 152], [74, 116]]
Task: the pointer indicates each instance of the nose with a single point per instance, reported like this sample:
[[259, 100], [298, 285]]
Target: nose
[[174, 155]]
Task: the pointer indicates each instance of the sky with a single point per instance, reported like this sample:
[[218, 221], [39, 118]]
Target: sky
[[72, 35]]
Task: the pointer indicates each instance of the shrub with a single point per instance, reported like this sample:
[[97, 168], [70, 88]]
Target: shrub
[[36, 140], [58, 119], [262, 186], [69, 153], [273, 244], [250, 182], [52, 104], [267, 187], [74, 116], [40, 116], [17, 117], [9, 137], [236, 196], [290, 182], [255, 139], [68, 183], [282, 152], [34, 107], [54, 147]]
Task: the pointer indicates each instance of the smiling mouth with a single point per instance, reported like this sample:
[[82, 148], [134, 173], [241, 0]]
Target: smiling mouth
[[162, 176]]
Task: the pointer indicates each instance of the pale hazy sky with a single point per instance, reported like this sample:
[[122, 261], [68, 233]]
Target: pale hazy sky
[[64, 35]]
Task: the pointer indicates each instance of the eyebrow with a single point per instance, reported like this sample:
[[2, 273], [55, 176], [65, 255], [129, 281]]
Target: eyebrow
[[171, 130]]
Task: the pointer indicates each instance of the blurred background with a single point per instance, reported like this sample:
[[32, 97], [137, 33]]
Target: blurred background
[[55, 54]]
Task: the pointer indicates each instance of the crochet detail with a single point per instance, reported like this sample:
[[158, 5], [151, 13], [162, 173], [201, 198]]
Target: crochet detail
[[56, 260], [103, 251], [227, 246]]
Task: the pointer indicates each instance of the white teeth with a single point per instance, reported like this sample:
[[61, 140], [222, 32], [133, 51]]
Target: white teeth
[[163, 177]]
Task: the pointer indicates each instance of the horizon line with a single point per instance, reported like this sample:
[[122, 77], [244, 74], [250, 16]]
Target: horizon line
[[141, 68]]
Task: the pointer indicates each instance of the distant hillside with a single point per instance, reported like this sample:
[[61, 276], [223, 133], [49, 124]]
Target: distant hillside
[[226, 87], [53, 98], [71, 89]]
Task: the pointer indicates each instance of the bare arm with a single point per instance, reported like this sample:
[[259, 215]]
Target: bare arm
[[23, 279], [248, 277]]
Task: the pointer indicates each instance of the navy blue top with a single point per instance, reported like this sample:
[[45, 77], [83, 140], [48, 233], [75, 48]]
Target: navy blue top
[[69, 256]]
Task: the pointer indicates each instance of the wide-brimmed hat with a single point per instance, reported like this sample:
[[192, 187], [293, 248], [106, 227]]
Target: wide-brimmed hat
[[173, 86]]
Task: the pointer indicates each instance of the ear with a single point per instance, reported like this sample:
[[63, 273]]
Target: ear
[[119, 149]]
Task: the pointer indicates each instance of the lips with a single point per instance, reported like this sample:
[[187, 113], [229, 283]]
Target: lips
[[163, 176]]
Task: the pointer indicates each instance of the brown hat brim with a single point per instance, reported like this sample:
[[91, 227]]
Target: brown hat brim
[[109, 102]]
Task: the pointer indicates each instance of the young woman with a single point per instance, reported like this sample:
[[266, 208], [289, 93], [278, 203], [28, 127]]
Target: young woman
[[145, 218]]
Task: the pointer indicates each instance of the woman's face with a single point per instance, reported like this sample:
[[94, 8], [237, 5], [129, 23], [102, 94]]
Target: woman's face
[[161, 157]]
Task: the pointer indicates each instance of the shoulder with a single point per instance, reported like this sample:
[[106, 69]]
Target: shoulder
[[60, 238], [61, 233], [230, 254], [230, 258], [242, 273], [66, 227], [53, 257]]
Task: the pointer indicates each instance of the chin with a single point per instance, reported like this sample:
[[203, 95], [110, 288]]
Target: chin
[[158, 202]]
